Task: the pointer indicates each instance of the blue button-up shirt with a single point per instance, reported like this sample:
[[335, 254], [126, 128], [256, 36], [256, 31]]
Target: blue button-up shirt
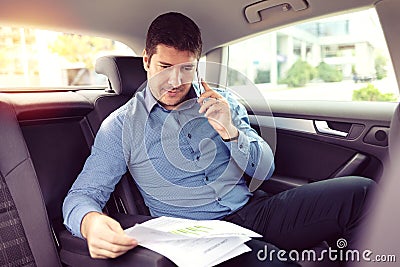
[[180, 163]]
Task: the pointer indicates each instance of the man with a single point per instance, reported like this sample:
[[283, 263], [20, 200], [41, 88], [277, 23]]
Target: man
[[187, 147]]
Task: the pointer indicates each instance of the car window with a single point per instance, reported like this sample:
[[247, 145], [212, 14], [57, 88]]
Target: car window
[[342, 57], [40, 58]]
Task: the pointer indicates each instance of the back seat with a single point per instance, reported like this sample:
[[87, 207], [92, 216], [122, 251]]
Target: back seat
[[125, 82], [59, 129], [25, 234]]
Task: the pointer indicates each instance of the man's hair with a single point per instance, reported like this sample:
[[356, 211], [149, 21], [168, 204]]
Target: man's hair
[[175, 30]]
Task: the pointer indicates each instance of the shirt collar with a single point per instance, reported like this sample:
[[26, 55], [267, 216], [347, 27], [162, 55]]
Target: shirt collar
[[150, 101]]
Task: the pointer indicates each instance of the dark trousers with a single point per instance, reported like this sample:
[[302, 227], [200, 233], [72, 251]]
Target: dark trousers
[[303, 218]]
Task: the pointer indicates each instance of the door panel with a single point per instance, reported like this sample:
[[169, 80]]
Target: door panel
[[351, 141]]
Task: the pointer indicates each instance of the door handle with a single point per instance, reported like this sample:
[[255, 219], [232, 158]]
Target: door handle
[[323, 127], [252, 12]]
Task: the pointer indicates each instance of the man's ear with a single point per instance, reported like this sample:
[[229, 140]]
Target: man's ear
[[146, 61]]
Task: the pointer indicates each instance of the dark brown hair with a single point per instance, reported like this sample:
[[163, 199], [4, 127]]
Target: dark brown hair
[[175, 30]]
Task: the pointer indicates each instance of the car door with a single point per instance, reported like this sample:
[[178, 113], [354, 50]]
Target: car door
[[330, 125], [320, 140]]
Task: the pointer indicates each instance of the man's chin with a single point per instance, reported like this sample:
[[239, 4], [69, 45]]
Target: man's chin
[[170, 102]]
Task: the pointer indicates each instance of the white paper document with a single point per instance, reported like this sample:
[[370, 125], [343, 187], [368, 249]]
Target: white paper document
[[191, 242]]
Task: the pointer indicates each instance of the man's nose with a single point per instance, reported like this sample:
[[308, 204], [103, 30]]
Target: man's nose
[[175, 79]]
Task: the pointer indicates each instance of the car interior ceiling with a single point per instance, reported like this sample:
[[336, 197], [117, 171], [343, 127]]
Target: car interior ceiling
[[128, 13]]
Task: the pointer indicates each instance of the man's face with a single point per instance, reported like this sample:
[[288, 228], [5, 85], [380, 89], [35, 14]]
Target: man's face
[[170, 73]]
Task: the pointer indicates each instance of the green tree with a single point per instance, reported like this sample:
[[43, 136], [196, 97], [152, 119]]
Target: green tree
[[235, 78], [371, 93], [263, 76], [5, 60], [380, 67], [328, 73], [299, 74], [79, 48]]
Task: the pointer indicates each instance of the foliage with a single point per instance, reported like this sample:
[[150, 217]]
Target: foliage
[[263, 76], [328, 73], [78, 48], [299, 74], [5, 60], [235, 78], [371, 93], [380, 67], [353, 69]]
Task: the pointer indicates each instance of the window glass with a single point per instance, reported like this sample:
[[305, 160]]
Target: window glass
[[342, 58], [40, 58]]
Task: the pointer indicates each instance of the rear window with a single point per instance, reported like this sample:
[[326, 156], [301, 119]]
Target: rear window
[[33, 58]]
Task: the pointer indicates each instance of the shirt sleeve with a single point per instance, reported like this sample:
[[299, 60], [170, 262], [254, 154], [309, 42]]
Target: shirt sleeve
[[101, 172], [250, 152]]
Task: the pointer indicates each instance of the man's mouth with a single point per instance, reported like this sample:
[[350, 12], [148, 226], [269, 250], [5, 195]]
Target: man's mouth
[[172, 92]]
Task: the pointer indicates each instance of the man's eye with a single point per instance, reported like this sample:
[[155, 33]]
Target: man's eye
[[164, 66], [188, 68]]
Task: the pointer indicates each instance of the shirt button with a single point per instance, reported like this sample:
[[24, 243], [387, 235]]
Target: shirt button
[[198, 157], [206, 178], [218, 199], [189, 135], [240, 146]]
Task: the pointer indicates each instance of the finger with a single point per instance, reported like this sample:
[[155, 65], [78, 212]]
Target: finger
[[103, 249], [208, 103], [118, 239], [116, 235], [100, 253], [114, 248], [209, 94], [205, 85], [212, 109], [116, 228], [114, 225]]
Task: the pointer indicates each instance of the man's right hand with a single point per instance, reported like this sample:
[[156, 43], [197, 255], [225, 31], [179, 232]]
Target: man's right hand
[[105, 236]]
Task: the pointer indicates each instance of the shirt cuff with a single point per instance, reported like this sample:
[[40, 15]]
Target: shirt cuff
[[74, 223], [240, 150]]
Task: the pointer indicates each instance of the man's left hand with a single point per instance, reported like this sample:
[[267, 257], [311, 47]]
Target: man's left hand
[[217, 111]]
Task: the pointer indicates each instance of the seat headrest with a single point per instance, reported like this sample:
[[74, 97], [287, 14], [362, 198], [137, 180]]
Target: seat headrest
[[125, 73]]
